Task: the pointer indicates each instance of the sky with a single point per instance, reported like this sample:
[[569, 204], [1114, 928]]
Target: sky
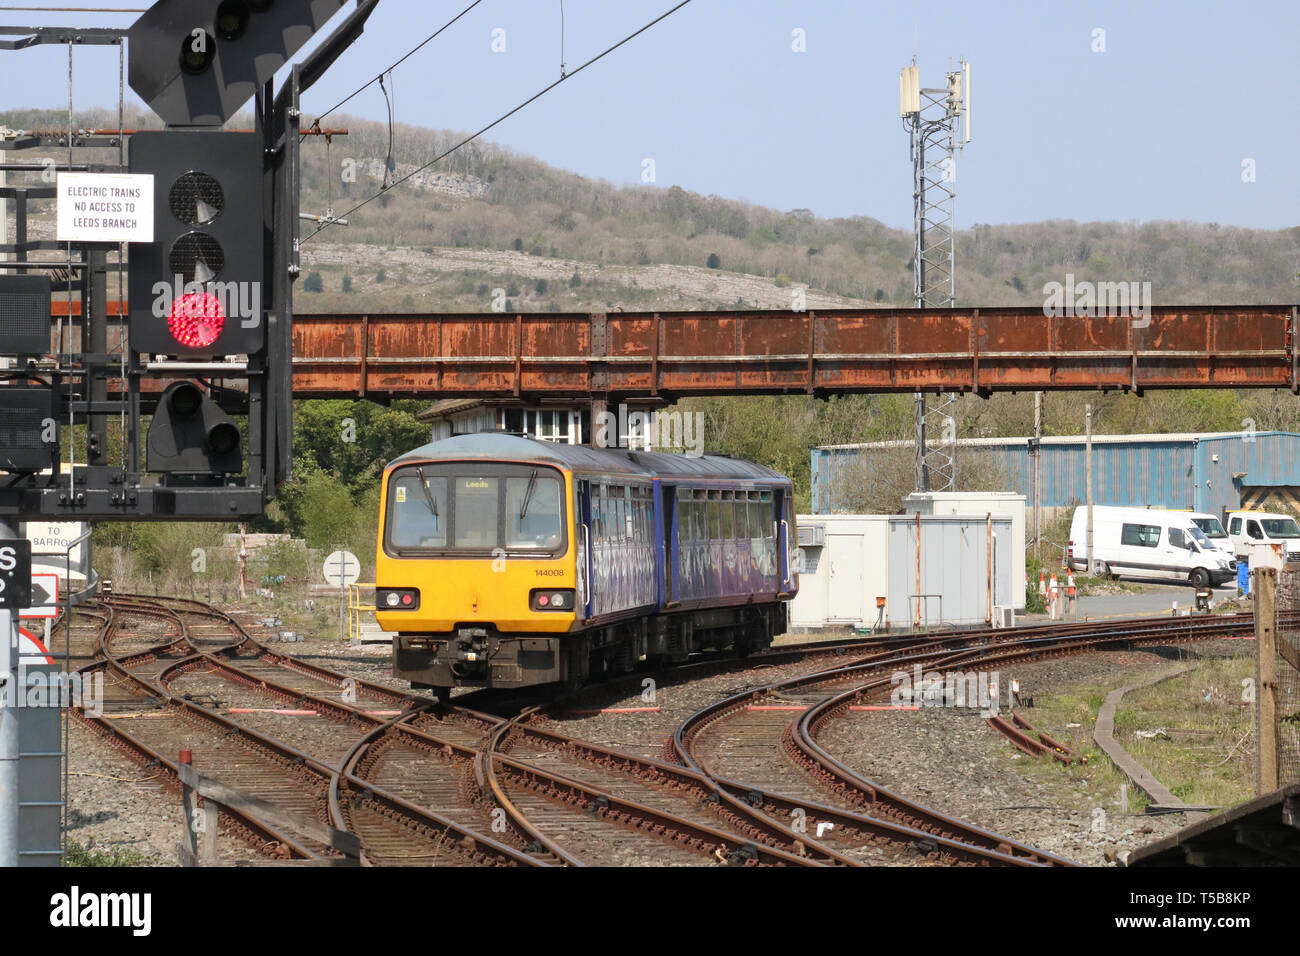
[[1093, 111]]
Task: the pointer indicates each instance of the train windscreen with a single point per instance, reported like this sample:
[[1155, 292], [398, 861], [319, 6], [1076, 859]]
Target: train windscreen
[[466, 507]]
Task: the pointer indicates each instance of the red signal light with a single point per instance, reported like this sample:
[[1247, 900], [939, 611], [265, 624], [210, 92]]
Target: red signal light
[[543, 600], [196, 319]]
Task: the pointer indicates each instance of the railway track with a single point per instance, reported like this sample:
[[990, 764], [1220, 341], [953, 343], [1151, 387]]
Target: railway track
[[740, 782], [162, 644], [765, 738]]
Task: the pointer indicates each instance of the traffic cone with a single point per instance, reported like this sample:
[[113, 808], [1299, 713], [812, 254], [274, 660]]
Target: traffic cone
[[1069, 586], [1042, 582]]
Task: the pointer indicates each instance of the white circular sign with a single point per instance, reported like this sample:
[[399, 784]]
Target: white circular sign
[[342, 568]]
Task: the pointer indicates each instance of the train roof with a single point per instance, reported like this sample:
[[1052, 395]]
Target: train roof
[[583, 459]]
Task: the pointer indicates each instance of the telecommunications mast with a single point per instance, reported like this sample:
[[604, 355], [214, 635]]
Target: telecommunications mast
[[939, 124]]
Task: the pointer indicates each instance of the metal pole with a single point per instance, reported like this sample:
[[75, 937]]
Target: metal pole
[[917, 623], [988, 565], [922, 467], [1087, 419], [95, 335], [1038, 459], [9, 737], [4, 212]]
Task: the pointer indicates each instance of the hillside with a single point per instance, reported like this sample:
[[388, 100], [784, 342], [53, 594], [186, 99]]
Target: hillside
[[636, 246], [487, 217]]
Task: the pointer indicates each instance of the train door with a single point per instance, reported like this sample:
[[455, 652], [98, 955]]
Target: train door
[[667, 502], [785, 542], [582, 529]]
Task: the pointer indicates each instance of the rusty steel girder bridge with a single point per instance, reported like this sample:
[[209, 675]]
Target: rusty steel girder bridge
[[663, 356], [669, 355]]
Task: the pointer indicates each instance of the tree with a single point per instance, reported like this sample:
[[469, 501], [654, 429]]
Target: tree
[[347, 283], [313, 283], [714, 262], [540, 287], [380, 276], [576, 280]]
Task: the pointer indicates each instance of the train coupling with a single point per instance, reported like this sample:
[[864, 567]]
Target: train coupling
[[472, 644]]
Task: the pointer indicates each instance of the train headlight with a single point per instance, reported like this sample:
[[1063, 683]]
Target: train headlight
[[551, 600], [397, 599]]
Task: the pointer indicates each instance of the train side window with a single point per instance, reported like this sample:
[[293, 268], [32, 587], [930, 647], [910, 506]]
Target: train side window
[[728, 515], [715, 521], [649, 506]]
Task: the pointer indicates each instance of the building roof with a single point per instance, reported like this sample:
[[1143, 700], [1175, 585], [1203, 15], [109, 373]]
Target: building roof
[[1173, 438], [447, 406]]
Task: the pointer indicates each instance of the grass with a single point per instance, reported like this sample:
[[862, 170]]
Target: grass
[[113, 855], [1078, 786], [1206, 757]]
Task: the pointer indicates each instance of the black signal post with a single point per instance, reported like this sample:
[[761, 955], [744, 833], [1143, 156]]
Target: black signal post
[[205, 364]]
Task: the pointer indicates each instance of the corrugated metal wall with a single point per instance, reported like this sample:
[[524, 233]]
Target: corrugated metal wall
[[1178, 473], [1271, 459]]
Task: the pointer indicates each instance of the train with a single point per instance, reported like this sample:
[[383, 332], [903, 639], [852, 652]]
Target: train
[[504, 561]]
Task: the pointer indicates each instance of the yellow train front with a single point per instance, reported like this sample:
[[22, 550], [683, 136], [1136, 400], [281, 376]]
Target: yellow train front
[[506, 562]]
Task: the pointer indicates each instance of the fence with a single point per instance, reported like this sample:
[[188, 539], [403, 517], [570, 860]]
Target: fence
[[357, 607], [1277, 675]]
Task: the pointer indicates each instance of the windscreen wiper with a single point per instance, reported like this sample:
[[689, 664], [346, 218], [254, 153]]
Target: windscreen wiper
[[528, 495], [428, 496]]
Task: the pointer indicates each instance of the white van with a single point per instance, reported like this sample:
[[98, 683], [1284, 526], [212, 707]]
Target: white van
[[1148, 544], [1212, 528], [1248, 528]]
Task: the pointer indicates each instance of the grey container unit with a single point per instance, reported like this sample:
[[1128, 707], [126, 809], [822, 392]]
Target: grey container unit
[[954, 569]]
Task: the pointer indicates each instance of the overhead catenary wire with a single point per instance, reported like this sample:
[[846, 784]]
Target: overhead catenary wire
[[415, 49], [505, 116]]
